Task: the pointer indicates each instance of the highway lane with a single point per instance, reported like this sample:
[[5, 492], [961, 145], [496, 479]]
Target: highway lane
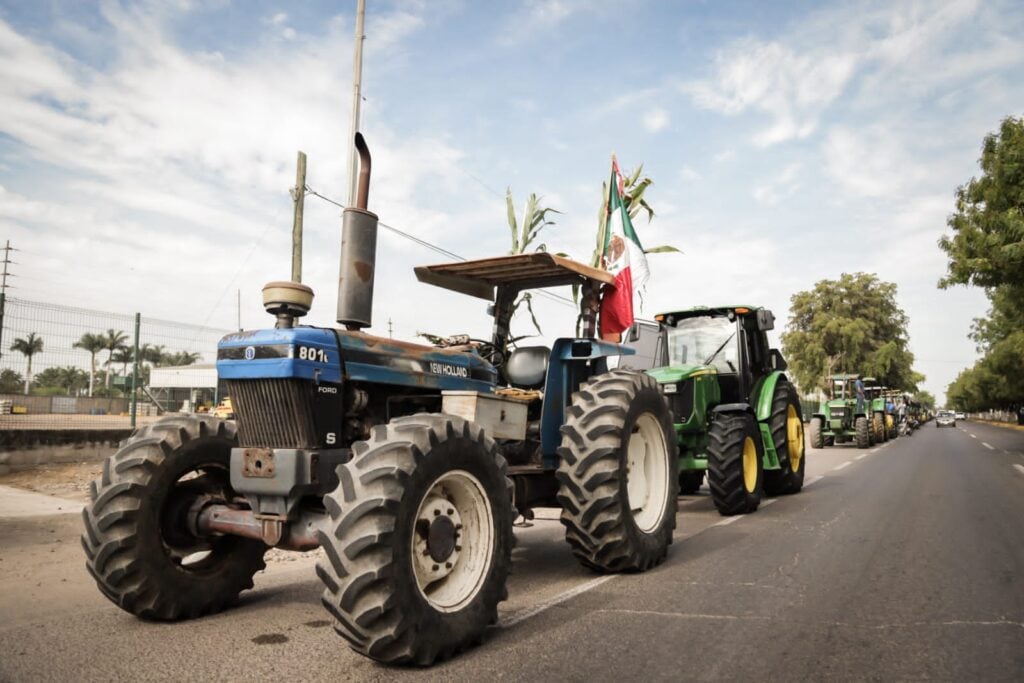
[[902, 561]]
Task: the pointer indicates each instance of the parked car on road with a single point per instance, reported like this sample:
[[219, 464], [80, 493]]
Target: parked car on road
[[961, 416], [945, 418]]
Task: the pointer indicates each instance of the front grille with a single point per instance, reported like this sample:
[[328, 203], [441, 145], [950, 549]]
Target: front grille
[[274, 413], [682, 401]]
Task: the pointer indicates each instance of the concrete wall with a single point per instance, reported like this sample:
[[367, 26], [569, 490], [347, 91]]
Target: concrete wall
[[78, 405]]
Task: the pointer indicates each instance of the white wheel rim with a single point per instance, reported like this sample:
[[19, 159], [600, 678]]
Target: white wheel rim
[[450, 582], [647, 473]]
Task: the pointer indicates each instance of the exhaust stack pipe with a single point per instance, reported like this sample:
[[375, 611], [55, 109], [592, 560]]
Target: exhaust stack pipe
[[358, 251]]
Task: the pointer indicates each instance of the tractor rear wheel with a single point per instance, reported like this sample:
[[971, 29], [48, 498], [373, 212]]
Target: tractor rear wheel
[[419, 540], [735, 463], [878, 428], [787, 429], [618, 473], [861, 434], [690, 481], [138, 543], [816, 428]]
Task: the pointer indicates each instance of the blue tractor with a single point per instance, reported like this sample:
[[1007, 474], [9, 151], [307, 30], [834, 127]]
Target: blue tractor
[[407, 464]]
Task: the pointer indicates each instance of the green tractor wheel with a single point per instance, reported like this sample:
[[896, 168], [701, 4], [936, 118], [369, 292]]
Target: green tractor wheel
[[816, 428], [878, 428], [862, 436], [787, 429], [735, 463]]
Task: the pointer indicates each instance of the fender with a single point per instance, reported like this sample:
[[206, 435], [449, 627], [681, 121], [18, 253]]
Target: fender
[[567, 369], [765, 392]]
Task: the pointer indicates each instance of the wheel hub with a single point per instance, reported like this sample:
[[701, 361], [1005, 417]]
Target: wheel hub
[[438, 529]]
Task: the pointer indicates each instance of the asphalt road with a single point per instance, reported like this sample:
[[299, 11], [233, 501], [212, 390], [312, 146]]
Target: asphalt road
[[902, 562]]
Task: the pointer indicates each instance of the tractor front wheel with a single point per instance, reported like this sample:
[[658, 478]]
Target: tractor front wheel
[[618, 473], [138, 543], [735, 463], [861, 434], [816, 429], [419, 540], [878, 428], [787, 429]]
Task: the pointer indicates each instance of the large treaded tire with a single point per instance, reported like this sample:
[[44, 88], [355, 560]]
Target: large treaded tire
[[816, 429], [861, 434], [729, 437], [878, 428], [369, 574], [136, 538], [786, 405], [601, 526]]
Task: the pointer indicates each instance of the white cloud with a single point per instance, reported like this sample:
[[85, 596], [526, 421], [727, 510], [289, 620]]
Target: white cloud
[[656, 120], [779, 188]]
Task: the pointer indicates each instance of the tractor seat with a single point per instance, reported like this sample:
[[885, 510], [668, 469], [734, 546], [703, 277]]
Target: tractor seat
[[527, 366]]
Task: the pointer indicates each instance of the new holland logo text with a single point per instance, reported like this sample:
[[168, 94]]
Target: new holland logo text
[[446, 369]]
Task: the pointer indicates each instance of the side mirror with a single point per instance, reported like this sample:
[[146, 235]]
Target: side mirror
[[776, 360], [634, 333], [765, 320]]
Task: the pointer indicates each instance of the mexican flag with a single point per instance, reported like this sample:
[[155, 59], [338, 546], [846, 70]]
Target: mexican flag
[[624, 258]]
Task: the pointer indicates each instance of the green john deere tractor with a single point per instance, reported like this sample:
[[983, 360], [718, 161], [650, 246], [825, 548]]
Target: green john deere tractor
[[838, 420], [874, 395], [737, 416]]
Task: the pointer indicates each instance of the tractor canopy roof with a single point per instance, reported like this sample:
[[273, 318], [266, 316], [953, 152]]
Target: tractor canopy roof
[[536, 270], [843, 377], [697, 311]]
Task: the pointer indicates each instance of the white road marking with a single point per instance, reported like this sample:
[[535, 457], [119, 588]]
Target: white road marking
[[533, 611], [729, 520], [873, 450], [1019, 468], [987, 446], [973, 436], [766, 503], [813, 479], [863, 455], [844, 465]]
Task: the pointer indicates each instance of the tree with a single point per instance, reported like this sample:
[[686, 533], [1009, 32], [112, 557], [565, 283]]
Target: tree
[[10, 381], [987, 245], [124, 356], [852, 325], [28, 346], [986, 249], [112, 341], [69, 380], [179, 358], [926, 399], [93, 344], [535, 219]]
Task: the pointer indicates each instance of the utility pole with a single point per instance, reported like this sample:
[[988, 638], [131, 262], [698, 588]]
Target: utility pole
[[391, 332], [3, 290], [238, 308], [357, 96], [299, 200]]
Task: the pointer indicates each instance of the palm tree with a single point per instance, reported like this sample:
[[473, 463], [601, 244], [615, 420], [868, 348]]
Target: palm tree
[[535, 219], [93, 344], [29, 346], [180, 358], [112, 341], [124, 356], [154, 354]]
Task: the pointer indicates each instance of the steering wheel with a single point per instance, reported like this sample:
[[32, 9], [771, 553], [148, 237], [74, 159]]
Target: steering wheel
[[489, 352]]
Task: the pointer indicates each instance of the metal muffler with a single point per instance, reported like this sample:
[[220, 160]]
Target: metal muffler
[[358, 251]]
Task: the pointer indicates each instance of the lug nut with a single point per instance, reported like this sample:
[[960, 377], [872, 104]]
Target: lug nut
[[436, 567], [447, 565]]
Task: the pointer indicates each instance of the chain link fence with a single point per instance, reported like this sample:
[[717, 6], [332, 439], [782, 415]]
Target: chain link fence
[[72, 368]]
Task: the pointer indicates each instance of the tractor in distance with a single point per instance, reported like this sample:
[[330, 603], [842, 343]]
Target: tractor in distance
[[736, 415], [405, 463], [873, 395], [837, 420]]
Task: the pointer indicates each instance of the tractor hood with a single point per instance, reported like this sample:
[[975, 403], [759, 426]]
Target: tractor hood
[[677, 373], [329, 355]]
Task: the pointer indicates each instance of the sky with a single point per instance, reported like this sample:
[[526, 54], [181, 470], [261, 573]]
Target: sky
[[147, 148]]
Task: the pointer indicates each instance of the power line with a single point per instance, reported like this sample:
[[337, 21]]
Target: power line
[[433, 247]]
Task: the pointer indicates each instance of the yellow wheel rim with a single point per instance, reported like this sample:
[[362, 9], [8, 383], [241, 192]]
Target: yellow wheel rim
[[749, 465], [794, 438]]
